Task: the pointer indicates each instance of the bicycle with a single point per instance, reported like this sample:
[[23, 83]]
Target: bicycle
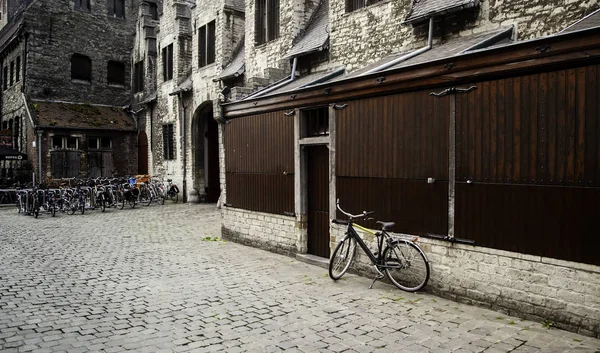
[[402, 260]]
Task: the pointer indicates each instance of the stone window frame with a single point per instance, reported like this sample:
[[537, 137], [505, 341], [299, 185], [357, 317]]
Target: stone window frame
[[267, 21], [354, 5], [167, 62], [18, 69], [207, 44], [138, 76], [81, 68], [115, 8], [83, 5], [168, 141], [113, 77]]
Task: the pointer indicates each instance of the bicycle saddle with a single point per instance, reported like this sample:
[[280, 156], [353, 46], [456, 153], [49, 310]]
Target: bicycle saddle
[[386, 225]]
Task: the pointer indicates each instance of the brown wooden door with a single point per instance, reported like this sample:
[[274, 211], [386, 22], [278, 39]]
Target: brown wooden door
[[142, 153], [318, 200]]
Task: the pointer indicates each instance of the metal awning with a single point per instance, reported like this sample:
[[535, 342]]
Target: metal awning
[[8, 154]]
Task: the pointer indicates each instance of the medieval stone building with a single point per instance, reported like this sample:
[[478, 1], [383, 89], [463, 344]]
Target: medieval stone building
[[66, 85]]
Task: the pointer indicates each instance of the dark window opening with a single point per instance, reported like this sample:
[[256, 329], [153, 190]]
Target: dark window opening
[[206, 44], [138, 76], [116, 73], [12, 72], [267, 21], [106, 143], [167, 61], [57, 143], [82, 5], [18, 69], [97, 143], [153, 10], [168, 142], [71, 143], [81, 67], [116, 8], [316, 122], [353, 5], [5, 78]]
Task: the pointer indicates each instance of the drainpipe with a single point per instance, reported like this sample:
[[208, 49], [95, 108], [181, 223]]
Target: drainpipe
[[407, 56], [183, 149], [40, 154], [277, 85]]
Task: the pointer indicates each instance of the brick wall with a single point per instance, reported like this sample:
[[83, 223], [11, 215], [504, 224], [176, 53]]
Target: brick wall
[[531, 287]]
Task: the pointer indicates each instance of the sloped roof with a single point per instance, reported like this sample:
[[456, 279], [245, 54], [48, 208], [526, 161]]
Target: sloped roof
[[185, 86], [453, 47], [237, 5], [316, 34], [589, 21], [9, 32], [236, 66], [424, 9], [309, 80], [80, 116]]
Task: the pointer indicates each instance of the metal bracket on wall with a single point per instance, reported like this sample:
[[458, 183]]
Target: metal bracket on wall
[[453, 90], [292, 214], [339, 106], [290, 113], [451, 239]]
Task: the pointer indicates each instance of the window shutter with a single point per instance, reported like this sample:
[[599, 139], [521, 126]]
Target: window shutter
[[120, 8], [210, 43], [170, 64], [18, 69], [110, 7], [259, 27], [202, 46], [274, 19], [164, 63]]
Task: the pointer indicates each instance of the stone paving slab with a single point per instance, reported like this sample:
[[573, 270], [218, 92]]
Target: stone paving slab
[[159, 279]]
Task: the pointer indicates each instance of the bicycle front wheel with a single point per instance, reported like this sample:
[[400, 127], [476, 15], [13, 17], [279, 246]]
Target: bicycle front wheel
[[406, 266], [342, 258]]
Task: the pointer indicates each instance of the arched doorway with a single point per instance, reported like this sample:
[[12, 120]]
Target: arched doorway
[[142, 153], [205, 137]]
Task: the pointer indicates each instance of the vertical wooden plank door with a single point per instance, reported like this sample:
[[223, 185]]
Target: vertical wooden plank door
[[318, 200]]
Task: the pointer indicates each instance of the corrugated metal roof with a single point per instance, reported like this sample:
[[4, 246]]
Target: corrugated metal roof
[[306, 81], [236, 66], [590, 21], [424, 9], [316, 35], [87, 116]]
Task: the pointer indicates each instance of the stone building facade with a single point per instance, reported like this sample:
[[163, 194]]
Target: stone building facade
[[74, 87]]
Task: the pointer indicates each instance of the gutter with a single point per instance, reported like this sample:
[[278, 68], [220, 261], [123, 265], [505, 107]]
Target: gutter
[[490, 41], [277, 85], [407, 56]]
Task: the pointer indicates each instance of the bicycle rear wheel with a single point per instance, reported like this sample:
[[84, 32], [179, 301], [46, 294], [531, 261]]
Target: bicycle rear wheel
[[408, 268], [342, 258]]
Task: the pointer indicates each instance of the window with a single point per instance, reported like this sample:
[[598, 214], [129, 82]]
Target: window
[[316, 122], [12, 72], [100, 143], [153, 10], [81, 67], [206, 44], [168, 142], [353, 5], [167, 61], [138, 76], [116, 8], [82, 5], [5, 78], [65, 143], [115, 73], [18, 69], [267, 20]]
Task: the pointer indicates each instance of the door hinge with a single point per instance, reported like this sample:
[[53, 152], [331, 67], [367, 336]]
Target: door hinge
[[453, 90]]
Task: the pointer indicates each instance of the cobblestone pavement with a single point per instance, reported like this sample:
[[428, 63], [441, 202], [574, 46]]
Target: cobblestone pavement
[[157, 280]]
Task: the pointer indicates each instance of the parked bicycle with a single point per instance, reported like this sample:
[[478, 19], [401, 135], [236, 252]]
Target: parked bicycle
[[400, 258]]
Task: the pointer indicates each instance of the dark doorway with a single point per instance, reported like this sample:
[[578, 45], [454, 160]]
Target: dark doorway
[[318, 200], [206, 153], [142, 153]]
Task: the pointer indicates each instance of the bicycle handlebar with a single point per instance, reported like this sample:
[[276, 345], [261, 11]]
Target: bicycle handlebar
[[352, 216]]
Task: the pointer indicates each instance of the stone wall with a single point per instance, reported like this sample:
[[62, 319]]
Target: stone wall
[[262, 230], [532, 287], [57, 31]]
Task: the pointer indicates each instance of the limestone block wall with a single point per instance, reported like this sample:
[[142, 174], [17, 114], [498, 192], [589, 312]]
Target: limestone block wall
[[267, 231], [532, 287]]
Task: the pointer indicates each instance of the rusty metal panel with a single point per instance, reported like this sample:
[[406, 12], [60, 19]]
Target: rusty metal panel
[[270, 193], [539, 129], [259, 163], [397, 136], [261, 143], [415, 206], [551, 221]]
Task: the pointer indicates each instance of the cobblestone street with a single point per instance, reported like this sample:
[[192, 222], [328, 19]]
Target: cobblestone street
[[158, 279]]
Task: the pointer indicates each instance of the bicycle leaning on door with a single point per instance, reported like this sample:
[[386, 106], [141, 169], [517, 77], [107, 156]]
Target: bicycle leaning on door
[[402, 260]]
